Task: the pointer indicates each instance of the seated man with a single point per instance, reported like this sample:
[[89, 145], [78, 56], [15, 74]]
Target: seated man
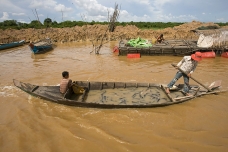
[[66, 83]]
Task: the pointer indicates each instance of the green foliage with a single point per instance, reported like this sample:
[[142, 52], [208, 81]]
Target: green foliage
[[10, 23], [207, 27], [49, 23], [155, 25], [35, 24], [68, 24], [222, 24], [93, 22]]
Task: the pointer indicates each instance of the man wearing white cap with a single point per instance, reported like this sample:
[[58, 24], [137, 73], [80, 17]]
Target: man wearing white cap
[[188, 65]]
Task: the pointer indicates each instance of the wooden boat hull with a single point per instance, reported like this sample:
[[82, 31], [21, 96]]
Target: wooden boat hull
[[166, 48], [113, 94], [41, 46], [11, 45], [41, 49]]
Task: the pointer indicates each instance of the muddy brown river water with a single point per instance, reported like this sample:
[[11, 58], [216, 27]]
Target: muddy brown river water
[[29, 124]]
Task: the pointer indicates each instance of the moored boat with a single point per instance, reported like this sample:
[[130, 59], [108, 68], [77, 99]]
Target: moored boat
[[167, 47], [41, 46], [117, 94], [11, 45], [208, 40]]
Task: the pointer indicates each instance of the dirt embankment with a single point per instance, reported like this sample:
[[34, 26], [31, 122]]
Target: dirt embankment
[[83, 33]]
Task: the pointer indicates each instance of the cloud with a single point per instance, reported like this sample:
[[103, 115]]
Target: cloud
[[220, 19], [61, 7], [131, 10], [148, 10], [42, 3], [96, 11], [35, 4], [143, 10], [160, 3], [21, 20], [49, 4], [5, 16], [144, 2], [9, 5], [18, 14], [92, 9]]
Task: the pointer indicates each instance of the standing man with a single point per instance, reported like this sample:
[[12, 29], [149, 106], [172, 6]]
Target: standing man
[[187, 65]]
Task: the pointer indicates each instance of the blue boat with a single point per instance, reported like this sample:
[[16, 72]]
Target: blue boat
[[41, 46], [11, 45]]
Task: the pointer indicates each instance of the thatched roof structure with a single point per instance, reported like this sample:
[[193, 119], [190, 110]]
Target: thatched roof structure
[[214, 37], [211, 31]]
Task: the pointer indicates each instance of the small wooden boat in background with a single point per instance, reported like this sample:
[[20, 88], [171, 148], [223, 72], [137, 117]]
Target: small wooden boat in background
[[117, 94], [41, 46], [11, 45]]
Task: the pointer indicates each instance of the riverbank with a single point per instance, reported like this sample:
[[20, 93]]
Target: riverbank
[[89, 32]]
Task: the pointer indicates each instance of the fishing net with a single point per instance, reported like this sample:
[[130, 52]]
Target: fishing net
[[213, 38]]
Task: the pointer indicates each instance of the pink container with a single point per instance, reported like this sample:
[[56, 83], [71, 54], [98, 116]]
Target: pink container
[[136, 55], [225, 54], [208, 54]]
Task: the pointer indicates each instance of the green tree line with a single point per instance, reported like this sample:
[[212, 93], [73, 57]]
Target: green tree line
[[49, 23]]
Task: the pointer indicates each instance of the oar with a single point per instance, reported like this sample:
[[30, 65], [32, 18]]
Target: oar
[[191, 77]]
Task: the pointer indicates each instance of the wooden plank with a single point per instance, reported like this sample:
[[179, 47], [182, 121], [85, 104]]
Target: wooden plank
[[213, 92], [185, 97], [196, 91], [167, 94], [34, 88]]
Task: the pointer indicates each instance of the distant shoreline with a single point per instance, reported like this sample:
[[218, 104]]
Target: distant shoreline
[[86, 33]]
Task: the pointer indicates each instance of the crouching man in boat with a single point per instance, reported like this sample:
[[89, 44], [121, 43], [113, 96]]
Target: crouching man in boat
[[160, 39], [66, 83], [187, 65]]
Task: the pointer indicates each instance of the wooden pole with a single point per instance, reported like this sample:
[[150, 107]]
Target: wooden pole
[[62, 14], [37, 16], [192, 77], [167, 94]]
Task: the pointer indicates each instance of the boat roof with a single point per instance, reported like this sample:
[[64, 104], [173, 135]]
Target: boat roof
[[211, 31]]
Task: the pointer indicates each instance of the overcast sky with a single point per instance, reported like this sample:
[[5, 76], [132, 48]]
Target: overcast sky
[[131, 10]]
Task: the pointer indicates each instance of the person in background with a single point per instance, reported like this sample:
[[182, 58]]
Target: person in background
[[160, 38], [188, 65], [65, 83]]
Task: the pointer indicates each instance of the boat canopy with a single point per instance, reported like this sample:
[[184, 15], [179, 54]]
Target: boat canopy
[[212, 38]]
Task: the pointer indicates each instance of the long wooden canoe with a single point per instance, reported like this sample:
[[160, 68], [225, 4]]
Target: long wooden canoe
[[11, 45], [117, 94]]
